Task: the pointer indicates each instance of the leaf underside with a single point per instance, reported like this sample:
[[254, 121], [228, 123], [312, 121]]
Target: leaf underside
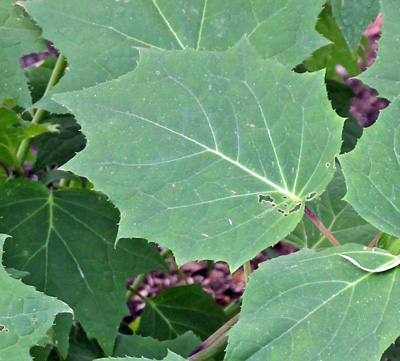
[[223, 161], [318, 306], [372, 172], [168, 24]]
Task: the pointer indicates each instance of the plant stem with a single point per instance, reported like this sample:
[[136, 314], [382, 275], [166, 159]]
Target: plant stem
[[57, 73], [233, 308], [139, 279], [137, 293], [375, 240], [247, 271], [321, 227], [214, 344]]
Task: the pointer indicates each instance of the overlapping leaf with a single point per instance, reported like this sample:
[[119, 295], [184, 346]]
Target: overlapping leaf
[[65, 240], [337, 215], [25, 316], [384, 74], [353, 17], [178, 310], [169, 24], [338, 53], [13, 130], [18, 36], [57, 149], [170, 357], [318, 306], [138, 346], [215, 151], [372, 172]]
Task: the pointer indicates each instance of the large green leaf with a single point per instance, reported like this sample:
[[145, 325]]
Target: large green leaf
[[318, 306], [25, 316], [65, 240], [178, 310], [372, 172], [138, 346], [337, 215], [170, 357], [384, 74], [18, 36], [209, 158], [353, 17], [169, 24]]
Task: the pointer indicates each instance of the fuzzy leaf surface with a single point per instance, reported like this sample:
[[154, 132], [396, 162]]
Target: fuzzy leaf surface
[[384, 74], [353, 17], [65, 240], [318, 306], [26, 315], [169, 24], [372, 172], [222, 161], [337, 215], [178, 310], [19, 36]]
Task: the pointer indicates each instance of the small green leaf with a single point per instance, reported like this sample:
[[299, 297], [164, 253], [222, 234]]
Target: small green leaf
[[385, 241], [353, 17], [222, 161], [384, 74], [65, 240], [25, 316], [138, 346], [337, 215], [317, 306], [372, 172], [178, 310], [57, 149], [19, 36], [13, 130], [337, 53]]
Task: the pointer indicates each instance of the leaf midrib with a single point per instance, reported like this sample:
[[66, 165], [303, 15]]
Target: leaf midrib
[[217, 153]]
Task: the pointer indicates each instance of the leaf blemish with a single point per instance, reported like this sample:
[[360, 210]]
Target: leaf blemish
[[296, 207], [265, 198], [311, 196], [280, 210]]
